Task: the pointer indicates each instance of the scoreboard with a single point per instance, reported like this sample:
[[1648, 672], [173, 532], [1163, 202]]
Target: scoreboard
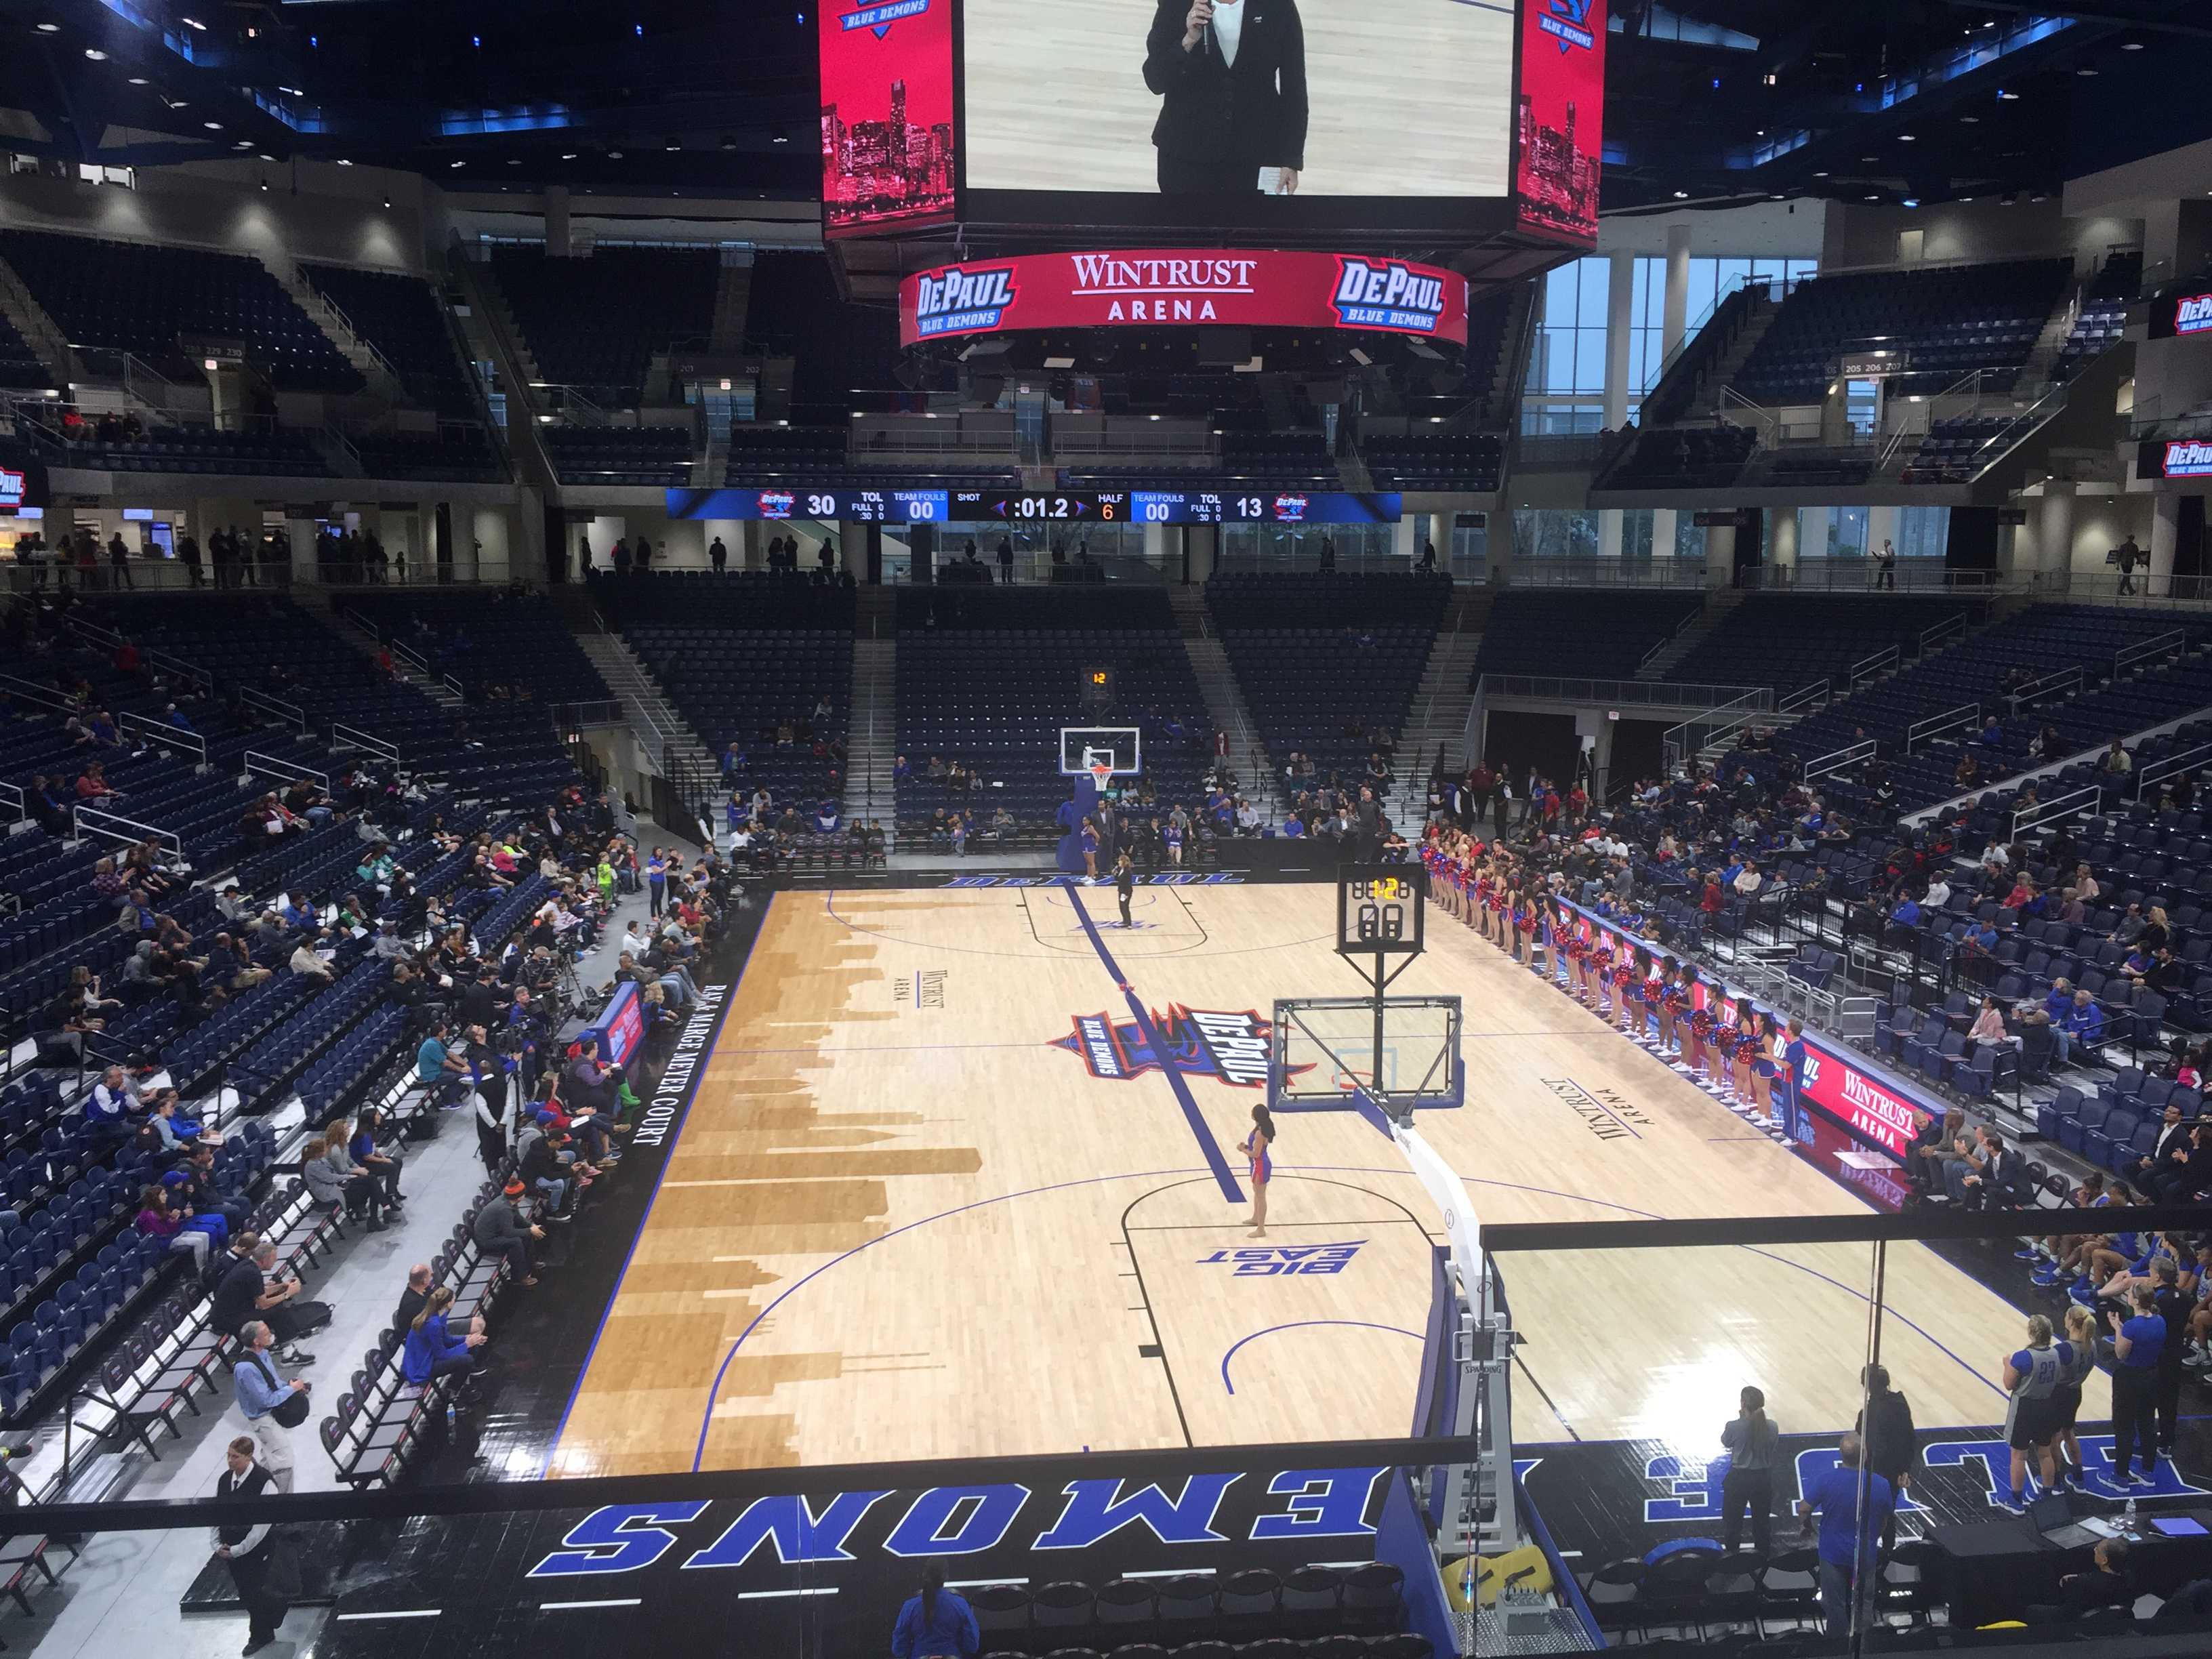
[[1379, 909], [890, 504], [1225, 505]]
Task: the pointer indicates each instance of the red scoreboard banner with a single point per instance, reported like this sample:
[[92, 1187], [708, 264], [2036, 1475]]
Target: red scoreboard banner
[[888, 149], [1151, 288], [1559, 124]]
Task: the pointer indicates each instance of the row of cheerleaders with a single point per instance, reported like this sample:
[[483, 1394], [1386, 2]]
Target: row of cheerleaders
[[1732, 1049]]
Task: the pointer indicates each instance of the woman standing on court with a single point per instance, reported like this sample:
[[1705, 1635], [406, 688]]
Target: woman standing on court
[[2031, 1376], [1754, 1445], [2136, 1344], [938, 1624], [2066, 1400], [1254, 1146]]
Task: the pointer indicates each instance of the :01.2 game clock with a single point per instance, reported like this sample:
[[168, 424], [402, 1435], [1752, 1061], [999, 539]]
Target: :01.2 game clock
[[1380, 910]]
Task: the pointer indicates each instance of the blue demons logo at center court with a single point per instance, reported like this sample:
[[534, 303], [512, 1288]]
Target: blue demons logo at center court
[[1567, 22], [878, 19], [1198, 1043], [963, 301]]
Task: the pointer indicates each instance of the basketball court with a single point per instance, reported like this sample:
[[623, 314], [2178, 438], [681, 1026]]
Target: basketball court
[[961, 1178]]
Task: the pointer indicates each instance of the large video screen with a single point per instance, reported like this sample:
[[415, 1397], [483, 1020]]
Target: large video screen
[[1368, 112], [888, 145], [1560, 142]]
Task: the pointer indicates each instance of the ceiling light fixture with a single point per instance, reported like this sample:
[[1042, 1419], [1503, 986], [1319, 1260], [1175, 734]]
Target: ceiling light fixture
[[345, 161], [137, 80], [457, 164], [2004, 97], [95, 54], [48, 28], [1908, 138], [194, 23], [568, 154], [614, 155], [1970, 120], [1681, 195], [2085, 70], [212, 126]]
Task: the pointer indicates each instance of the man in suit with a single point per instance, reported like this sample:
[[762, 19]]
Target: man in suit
[[1231, 76], [2174, 1137], [246, 1550]]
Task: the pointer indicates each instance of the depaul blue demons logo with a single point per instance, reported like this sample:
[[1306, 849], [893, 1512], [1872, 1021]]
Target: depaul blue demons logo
[[1567, 22], [2189, 458], [956, 300], [776, 503], [879, 19], [1291, 509], [1280, 1260], [1198, 1043], [2193, 315], [1388, 295]]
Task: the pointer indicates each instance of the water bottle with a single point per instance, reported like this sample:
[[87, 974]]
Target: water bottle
[[453, 1416], [2127, 1519]]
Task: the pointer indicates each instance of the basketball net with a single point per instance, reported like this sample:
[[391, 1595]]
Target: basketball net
[[1102, 773]]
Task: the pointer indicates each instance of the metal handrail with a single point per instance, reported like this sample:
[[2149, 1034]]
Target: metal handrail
[[1805, 698], [290, 711], [2175, 639], [353, 736], [269, 766], [1661, 649], [2158, 771], [162, 733], [93, 820], [1867, 667], [1682, 743], [1645, 693], [1837, 759], [2060, 680], [44, 695], [1965, 713], [2088, 799], [1941, 632], [12, 795]]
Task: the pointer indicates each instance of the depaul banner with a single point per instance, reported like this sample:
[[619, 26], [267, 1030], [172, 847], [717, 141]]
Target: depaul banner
[[1147, 287]]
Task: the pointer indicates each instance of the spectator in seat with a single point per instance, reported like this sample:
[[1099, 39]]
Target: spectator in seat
[[499, 1230], [160, 1218], [114, 1107], [332, 1191], [431, 1350], [308, 963], [46, 806], [2116, 762], [2085, 1024], [2106, 1584], [438, 1070]]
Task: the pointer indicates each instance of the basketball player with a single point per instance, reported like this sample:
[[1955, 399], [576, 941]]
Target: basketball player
[[2066, 1400], [2032, 1378], [1254, 1146], [1125, 882], [1230, 76]]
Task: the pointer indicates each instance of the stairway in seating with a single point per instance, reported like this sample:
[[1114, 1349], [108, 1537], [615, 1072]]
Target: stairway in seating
[[1718, 606], [1227, 711], [1187, 601], [872, 736], [39, 330], [671, 747], [734, 289], [382, 379], [357, 631], [1437, 725], [1730, 363]]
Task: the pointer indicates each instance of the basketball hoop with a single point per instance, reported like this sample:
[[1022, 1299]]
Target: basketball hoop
[[1101, 775], [1350, 1082]]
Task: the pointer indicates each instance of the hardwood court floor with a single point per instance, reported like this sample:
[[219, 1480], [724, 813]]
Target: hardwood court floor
[[903, 1220], [1409, 99]]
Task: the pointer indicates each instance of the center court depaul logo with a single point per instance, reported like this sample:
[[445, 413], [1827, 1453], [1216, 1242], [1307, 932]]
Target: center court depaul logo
[[1197, 1042]]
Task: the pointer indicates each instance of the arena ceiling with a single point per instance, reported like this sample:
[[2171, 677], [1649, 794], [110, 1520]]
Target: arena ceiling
[[1710, 102]]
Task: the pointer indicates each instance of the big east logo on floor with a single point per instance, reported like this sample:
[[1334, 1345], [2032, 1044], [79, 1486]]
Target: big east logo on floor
[[959, 300], [1388, 295]]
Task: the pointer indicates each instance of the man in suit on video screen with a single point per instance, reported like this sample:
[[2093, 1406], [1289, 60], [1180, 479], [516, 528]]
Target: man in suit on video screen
[[1231, 76]]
